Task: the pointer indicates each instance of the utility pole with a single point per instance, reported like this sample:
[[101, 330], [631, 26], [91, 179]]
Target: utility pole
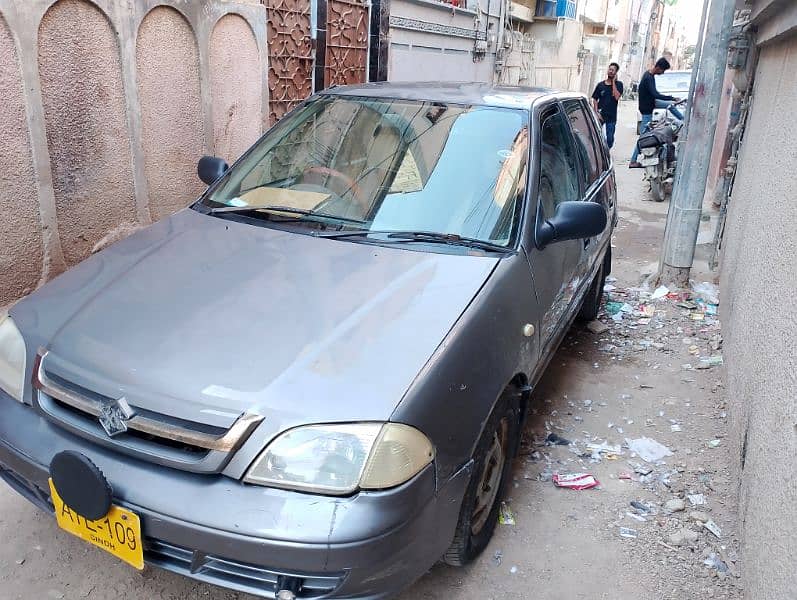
[[683, 219]]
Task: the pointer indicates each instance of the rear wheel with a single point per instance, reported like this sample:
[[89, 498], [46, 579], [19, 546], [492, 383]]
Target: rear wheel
[[491, 468], [657, 184]]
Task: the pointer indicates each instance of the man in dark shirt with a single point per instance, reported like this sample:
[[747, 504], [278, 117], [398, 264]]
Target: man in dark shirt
[[650, 98], [605, 99]]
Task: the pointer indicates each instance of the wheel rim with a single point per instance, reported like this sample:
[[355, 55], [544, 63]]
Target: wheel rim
[[490, 480]]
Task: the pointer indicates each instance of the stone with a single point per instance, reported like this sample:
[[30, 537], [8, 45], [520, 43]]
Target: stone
[[698, 516], [597, 327], [675, 505], [683, 537]]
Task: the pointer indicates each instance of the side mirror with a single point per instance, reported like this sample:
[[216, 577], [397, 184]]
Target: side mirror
[[210, 168], [572, 221]]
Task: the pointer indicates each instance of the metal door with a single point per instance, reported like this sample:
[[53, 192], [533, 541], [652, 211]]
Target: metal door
[[556, 266], [301, 59], [346, 53], [290, 55]]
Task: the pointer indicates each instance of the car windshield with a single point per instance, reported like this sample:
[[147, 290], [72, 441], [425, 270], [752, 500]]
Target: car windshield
[[674, 82], [374, 164]]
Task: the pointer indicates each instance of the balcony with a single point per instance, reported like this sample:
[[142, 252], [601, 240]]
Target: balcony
[[556, 9], [600, 14]]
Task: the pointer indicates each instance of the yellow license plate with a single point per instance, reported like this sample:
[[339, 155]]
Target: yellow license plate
[[119, 532]]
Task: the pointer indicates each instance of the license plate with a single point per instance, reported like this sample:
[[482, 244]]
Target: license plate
[[118, 532], [650, 162]]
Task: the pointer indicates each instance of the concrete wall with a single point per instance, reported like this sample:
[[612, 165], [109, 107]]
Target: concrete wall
[[759, 271], [107, 105], [556, 45], [430, 41]]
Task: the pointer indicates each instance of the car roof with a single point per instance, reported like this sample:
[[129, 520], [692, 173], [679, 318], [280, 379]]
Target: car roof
[[470, 93]]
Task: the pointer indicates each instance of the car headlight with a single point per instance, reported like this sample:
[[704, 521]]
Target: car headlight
[[12, 358], [339, 459]]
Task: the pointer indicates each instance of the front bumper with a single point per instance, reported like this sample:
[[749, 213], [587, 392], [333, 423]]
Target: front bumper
[[246, 537]]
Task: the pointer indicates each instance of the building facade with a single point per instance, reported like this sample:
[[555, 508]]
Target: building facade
[[758, 275]]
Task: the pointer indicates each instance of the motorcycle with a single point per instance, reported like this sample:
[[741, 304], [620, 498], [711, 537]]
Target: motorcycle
[[658, 150]]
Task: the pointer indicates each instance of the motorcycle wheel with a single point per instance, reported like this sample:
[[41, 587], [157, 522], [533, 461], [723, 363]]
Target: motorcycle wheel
[[657, 184]]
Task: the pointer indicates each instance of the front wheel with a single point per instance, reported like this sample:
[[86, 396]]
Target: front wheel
[[491, 469]]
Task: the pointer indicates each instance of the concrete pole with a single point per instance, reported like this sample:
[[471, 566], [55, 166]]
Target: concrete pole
[[695, 67], [683, 219]]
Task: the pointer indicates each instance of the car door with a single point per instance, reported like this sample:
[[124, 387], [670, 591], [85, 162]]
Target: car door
[[595, 181], [556, 266]]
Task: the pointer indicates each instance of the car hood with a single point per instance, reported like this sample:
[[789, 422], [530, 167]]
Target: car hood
[[202, 319]]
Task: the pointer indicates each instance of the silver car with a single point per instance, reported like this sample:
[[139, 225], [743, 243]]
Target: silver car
[[312, 381]]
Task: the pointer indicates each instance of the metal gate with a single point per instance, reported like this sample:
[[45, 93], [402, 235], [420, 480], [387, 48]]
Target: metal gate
[[290, 55], [346, 43], [298, 63]]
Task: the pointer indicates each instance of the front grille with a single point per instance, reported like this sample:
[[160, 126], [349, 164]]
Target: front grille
[[152, 436], [242, 577], [190, 451]]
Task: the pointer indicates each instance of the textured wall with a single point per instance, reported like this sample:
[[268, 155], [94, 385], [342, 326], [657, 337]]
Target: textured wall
[[237, 120], [167, 66], [759, 271], [105, 108], [555, 61], [86, 120], [20, 237]]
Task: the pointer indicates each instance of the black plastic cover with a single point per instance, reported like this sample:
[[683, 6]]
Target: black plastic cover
[[81, 484]]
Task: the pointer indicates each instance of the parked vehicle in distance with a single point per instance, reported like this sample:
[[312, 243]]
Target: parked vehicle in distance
[[672, 83], [311, 382], [669, 83]]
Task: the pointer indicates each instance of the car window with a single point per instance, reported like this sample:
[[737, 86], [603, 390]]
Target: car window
[[391, 165], [585, 145], [597, 142], [558, 164]]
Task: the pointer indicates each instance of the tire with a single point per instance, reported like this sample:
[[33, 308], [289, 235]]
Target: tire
[[657, 184], [594, 297], [492, 467]]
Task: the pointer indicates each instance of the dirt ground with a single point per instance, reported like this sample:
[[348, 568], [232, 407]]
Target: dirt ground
[[649, 375]]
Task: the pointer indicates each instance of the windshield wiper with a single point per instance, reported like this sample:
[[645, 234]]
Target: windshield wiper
[[284, 209], [433, 237]]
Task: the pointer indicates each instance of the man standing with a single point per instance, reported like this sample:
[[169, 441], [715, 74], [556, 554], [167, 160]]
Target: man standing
[[650, 98], [605, 98]]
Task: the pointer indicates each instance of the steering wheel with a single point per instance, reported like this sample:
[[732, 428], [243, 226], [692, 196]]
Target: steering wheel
[[347, 181]]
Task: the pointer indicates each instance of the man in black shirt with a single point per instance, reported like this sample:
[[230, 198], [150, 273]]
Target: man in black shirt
[[650, 98], [605, 99]]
